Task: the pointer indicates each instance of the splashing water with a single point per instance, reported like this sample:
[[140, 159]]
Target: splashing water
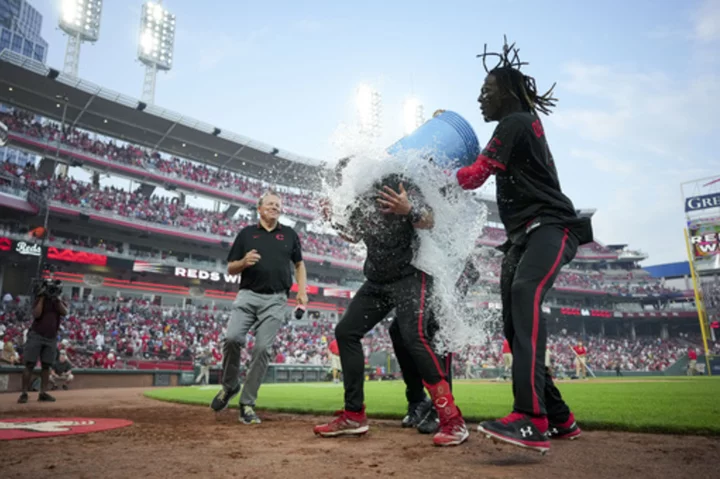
[[443, 250]]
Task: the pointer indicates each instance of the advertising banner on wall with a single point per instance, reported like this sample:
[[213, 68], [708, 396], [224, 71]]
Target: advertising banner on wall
[[704, 243], [200, 274], [704, 239], [703, 202]]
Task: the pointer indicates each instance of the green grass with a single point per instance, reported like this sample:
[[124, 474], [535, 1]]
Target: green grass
[[678, 405]]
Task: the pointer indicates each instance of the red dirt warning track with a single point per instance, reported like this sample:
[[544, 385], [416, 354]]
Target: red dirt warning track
[[174, 441]]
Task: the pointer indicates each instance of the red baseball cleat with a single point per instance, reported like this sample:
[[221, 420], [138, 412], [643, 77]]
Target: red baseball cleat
[[346, 423], [452, 432]]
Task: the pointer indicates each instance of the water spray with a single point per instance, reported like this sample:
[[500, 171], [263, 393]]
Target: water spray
[[442, 144]]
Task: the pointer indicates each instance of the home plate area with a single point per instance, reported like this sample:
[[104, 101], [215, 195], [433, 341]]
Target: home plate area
[[35, 428], [168, 440]]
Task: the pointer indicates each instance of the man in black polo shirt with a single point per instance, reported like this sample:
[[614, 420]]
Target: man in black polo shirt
[[386, 219], [263, 253]]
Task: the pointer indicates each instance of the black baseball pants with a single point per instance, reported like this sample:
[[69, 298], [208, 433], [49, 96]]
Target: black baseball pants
[[528, 271], [414, 388], [410, 297]]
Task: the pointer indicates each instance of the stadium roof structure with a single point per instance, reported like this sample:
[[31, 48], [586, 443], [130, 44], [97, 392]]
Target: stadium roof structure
[[32, 85], [669, 270]]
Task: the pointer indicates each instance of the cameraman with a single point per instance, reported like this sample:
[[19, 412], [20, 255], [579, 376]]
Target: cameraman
[[41, 344]]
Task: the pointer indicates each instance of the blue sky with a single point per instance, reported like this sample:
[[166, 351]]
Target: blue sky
[[637, 83]]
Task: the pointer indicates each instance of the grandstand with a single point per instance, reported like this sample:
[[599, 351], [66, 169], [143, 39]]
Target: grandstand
[[146, 272]]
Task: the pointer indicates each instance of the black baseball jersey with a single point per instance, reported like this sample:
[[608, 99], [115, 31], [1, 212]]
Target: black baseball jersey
[[528, 187], [391, 240], [279, 250]]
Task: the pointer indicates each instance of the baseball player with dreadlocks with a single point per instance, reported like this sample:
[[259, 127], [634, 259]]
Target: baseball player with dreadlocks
[[544, 232]]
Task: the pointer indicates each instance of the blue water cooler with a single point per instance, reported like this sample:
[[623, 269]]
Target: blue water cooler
[[447, 139]]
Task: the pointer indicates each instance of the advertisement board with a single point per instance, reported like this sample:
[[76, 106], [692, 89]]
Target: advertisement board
[[200, 274], [704, 239]]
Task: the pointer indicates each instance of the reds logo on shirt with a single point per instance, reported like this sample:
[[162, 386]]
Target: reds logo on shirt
[[538, 128], [280, 237]]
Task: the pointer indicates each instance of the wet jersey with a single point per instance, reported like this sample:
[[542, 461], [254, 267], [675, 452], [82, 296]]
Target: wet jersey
[[528, 188], [391, 240]]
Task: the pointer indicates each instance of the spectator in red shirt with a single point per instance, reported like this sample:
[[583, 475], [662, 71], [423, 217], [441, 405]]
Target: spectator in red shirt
[[692, 363], [580, 360], [110, 361], [335, 360]]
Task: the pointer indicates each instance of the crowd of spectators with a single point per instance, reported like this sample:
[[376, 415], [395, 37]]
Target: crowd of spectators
[[164, 211], [170, 212], [26, 123], [493, 236], [112, 332], [710, 286], [590, 280]]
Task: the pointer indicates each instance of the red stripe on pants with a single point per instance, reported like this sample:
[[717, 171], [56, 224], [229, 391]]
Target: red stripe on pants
[[421, 329], [536, 319]]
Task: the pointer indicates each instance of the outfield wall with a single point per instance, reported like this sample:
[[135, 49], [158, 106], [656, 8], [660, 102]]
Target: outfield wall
[[11, 376]]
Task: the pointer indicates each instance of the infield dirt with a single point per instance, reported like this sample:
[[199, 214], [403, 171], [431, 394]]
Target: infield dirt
[[174, 441]]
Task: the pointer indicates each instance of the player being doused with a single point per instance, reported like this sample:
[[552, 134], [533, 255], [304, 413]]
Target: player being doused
[[386, 218]]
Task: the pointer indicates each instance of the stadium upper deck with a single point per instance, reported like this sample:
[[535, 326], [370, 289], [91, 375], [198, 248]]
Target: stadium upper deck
[[31, 85]]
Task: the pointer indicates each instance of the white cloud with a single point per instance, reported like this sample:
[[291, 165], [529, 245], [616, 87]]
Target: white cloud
[[707, 21], [641, 134], [603, 162], [646, 112], [593, 124]]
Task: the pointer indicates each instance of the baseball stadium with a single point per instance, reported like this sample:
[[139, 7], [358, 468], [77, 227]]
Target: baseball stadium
[[128, 211]]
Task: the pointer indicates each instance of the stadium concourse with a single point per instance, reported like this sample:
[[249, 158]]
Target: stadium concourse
[[154, 247]]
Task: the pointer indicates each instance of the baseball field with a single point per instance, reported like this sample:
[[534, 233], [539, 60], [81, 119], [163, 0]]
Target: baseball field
[[667, 405], [639, 428]]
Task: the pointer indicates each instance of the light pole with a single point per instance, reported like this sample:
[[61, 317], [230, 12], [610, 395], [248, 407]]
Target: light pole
[[369, 108], [51, 187], [80, 19], [413, 115], [155, 45]]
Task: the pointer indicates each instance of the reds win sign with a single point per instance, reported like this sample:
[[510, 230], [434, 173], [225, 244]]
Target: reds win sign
[[705, 241], [206, 275]]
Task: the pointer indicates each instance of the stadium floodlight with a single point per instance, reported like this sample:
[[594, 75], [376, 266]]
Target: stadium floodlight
[[413, 115], [369, 107], [155, 44], [80, 19]]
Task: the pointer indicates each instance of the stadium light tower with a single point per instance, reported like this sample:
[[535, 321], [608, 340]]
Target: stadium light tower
[[413, 115], [155, 45], [80, 19], [369, 107]]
